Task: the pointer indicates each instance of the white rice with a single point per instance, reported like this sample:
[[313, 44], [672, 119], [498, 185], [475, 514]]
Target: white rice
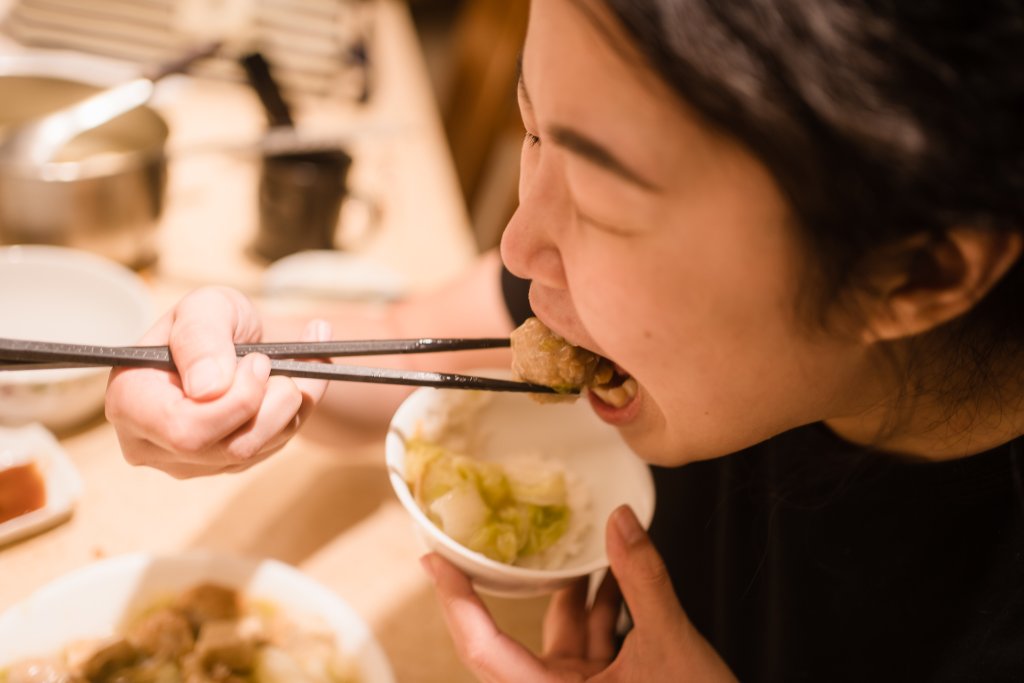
[[578, 502], [453, 421]]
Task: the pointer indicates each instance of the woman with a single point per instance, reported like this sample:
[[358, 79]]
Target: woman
[[798, 227]]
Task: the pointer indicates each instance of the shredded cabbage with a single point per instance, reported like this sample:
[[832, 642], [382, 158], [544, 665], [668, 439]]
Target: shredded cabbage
[[503, 512]]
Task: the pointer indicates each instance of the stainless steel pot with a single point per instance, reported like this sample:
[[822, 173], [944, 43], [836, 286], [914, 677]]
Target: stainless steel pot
[[104, 193]]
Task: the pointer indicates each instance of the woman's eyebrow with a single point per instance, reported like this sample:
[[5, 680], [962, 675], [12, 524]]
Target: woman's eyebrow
[[589, 149], [594, 152]]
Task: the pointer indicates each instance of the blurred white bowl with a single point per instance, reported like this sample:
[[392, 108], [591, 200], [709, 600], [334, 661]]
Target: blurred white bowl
[[331, 274], [65, 295], [508, 425], [97, 600]]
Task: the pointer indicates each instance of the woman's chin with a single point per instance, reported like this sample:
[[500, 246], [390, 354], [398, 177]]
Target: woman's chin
[[645, 431]]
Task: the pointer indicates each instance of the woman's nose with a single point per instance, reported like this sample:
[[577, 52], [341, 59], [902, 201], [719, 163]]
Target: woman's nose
[[530, 246]]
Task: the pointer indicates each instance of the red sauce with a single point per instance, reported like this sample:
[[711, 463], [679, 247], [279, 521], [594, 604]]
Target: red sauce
[[22, 489]]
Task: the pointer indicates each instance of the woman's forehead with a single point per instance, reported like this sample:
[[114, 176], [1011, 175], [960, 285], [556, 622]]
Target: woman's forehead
[[589, 31], [581, 70]]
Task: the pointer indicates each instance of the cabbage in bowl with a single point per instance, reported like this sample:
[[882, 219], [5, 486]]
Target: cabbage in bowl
[[512, 512]]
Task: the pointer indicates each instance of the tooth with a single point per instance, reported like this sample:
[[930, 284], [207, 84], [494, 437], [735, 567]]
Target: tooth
[[603, 373], [617, 396]]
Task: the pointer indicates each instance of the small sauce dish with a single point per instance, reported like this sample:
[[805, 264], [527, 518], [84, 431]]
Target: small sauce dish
[[39, 485]]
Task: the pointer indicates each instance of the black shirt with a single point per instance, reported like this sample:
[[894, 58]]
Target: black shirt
[[806, 558]]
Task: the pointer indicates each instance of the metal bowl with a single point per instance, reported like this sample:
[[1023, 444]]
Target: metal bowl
[[104, 193]]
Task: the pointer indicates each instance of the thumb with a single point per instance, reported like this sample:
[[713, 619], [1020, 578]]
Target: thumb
[[204, 327], [641, 574], [661, 630]]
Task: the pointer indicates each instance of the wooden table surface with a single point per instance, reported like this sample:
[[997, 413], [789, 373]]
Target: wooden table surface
[[324, 503]]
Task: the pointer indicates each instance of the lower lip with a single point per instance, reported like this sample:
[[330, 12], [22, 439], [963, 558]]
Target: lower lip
[[612, 415]]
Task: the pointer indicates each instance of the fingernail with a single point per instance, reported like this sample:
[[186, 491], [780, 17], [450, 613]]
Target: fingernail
[[260, 366], [628, 525], [204, 378], [317, 330]]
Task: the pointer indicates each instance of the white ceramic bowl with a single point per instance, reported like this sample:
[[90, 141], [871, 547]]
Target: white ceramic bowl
[[93, 602], [65, 295], [332, 274], [509, 424]]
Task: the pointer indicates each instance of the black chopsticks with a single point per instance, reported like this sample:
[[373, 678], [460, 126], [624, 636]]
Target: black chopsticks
[[25, 354]]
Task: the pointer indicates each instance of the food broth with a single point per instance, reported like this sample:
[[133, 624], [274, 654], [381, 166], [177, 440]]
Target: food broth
[[22, 490]]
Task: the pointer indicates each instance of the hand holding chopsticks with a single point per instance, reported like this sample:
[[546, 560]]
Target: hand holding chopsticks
[[219, 411], [19, 354]]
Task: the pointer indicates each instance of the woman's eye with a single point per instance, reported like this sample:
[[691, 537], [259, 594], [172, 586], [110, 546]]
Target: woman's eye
[[531, 139], [586, 219]]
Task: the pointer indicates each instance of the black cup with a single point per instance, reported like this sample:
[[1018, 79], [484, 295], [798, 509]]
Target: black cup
[[300, 198]]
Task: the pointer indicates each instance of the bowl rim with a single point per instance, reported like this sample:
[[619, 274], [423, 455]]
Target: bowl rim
[[84, 261], [530, 574]]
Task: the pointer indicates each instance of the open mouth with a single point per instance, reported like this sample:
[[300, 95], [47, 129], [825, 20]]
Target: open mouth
[[542, 357], [612, 384]]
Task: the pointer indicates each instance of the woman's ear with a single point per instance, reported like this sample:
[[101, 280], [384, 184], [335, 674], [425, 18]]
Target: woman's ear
[[938, 279]]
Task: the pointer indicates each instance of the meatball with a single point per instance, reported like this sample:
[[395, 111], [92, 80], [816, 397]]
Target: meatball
[[540, 356]]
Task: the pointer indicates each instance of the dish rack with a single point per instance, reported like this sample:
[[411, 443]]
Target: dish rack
[[316, 47]]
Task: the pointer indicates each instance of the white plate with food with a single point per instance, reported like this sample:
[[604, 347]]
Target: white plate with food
[[194, 614]]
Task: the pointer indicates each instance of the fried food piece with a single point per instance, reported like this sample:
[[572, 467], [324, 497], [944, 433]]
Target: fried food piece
[[100, 660], [208, 602], [165, 635], [540, 356], [229, 647]]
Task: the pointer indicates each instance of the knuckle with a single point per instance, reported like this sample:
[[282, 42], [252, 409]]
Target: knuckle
[[241, 450], [181, 474], [293, 397], [233, 296], [209, 295], [132, 457], [183, 437], [288, 394], [250, 401], [475, 654], [116, 406], [112, 410], [650, 570], [187, 334], [240, 306]]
